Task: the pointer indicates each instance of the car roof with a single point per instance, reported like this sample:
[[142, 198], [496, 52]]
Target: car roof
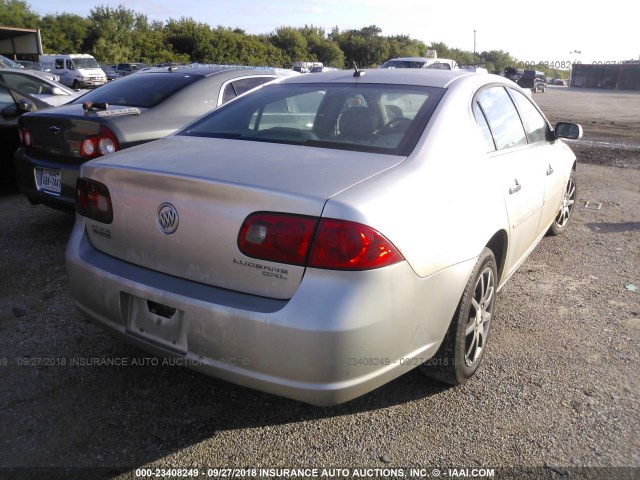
[[28, 72], [404, 76]]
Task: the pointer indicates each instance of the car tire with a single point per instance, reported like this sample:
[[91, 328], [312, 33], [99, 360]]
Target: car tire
[[465, 342], [76, 85], [567, 204]]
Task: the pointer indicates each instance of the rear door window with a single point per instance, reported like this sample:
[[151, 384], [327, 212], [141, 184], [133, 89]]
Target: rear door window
[[481, 120], [242, 85]]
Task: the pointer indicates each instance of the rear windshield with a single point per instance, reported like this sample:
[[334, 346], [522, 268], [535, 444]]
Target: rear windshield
[[369, 118], [143, 90]]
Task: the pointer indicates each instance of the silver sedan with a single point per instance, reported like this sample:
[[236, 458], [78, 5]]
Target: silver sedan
[[323, 235]]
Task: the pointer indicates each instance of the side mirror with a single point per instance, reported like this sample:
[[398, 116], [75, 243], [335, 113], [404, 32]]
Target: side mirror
[[26, 106], [571, 131]]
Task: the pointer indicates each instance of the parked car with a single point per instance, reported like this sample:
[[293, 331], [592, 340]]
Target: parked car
[[325, 234], [6, 62], [132, 110], [532, 80], [28, 81], [110, 72], [13, 103], [421, 62], [322, 69], [33, 67], [129, 68], [43, 71]]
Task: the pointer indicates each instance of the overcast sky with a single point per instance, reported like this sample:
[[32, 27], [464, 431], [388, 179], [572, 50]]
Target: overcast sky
[[547, 30]]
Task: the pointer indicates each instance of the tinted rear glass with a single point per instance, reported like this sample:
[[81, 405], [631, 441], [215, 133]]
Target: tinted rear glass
[[143, 90], [369, 118]]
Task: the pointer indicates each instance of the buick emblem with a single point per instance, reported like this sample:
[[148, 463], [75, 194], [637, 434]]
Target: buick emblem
[[167, 218]]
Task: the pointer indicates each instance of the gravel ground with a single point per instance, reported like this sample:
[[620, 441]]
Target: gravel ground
[[558, 391]]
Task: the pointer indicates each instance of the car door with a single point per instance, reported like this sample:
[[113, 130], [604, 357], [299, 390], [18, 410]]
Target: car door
[[544, 148], [515, 167], [8, 129], [12, 105]]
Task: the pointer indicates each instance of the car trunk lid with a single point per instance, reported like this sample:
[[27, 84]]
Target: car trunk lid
[[59, 133], [212, 185]]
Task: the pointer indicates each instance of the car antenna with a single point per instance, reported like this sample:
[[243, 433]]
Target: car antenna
[[357, 73]]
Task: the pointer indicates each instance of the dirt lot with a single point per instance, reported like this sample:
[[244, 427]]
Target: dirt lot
[[557, 397]]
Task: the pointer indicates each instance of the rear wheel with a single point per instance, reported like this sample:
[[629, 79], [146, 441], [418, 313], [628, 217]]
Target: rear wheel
[[567, 204], [465, 342]]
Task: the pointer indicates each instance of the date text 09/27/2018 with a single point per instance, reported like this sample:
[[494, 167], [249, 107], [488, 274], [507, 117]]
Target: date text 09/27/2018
[[566, 64]]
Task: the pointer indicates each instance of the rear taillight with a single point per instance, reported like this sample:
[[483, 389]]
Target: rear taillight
[[93, 201], [277, 237], [25, 137], [342, 245], [97, 145], [315, 242]]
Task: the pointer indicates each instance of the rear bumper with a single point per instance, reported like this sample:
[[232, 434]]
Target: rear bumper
[[28, 174], [340, 336]]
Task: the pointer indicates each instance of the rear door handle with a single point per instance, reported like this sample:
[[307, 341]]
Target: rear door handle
[[549, 170], [515, 188]]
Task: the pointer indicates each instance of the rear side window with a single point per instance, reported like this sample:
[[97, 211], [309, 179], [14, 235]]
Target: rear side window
[[484, 127], [242, 85], [143, 90], [502, 117]]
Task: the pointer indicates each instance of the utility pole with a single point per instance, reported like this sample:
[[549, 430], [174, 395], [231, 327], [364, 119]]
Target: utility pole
[[474, 46]]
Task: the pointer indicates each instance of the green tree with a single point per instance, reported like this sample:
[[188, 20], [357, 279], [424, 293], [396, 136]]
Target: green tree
[[17, 14], [496, 60], [64, 33], [191, 39], [110, 37], [404, 46], [365, 47], [293, 44], [322, 48]]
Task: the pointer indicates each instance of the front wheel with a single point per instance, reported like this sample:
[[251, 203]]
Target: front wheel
[[565, 210], [465, 342], [76, 85]]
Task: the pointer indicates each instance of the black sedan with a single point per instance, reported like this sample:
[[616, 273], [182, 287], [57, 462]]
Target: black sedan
[[134, 110], [13, 103]]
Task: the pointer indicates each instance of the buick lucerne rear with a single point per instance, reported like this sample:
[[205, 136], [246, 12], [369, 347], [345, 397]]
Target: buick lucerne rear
[[321, 236]]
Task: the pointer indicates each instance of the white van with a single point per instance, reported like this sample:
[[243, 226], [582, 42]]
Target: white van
[[76, 70]]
